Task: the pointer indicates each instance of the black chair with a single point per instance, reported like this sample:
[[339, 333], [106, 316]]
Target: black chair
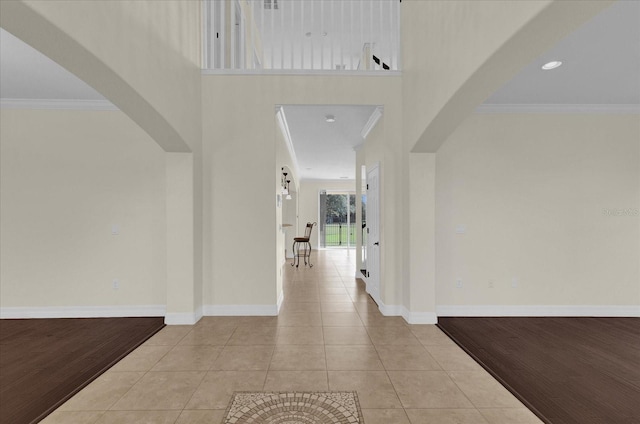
[[302, 246]]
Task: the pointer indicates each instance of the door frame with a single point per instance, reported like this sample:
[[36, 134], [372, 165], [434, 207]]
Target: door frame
[[373, 238]]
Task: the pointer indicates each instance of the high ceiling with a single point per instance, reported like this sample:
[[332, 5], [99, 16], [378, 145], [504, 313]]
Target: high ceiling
[[25, 73], [601, 66]]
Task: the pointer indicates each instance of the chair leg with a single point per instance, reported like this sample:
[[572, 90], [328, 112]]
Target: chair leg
[[293, 250], [310, 264]]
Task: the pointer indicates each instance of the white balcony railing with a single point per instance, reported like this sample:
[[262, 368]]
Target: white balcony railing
[[302, 35]]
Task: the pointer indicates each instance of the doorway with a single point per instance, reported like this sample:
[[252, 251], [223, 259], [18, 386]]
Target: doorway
[[337, 219]]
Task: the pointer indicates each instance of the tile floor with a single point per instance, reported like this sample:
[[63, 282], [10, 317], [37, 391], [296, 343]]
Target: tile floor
[[329, 336]]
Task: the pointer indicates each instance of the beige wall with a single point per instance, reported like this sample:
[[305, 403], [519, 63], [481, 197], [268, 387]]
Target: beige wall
[[66, 178], [531, 191], [239, 143]]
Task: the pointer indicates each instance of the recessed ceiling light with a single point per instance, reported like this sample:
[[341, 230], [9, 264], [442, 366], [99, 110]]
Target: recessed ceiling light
[[551, 65], [330, 118], [324, 33]]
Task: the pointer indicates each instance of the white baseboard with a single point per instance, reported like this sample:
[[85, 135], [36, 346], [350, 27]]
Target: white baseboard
[[390, 310], [240, 310], [183, 318], [419, 317], [280, 300], [111, 311], [410, 317], [538, 311]]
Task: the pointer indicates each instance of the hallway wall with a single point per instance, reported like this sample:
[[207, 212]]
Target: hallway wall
[[240, 213]]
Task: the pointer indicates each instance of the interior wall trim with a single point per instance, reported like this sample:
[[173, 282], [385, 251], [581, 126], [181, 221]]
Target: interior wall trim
[[604, 109], [409, 316], [240, 310], [183, 318], [82, 311], [306, 72], [56, 104], [419, 317], [538, 310], [280, 300], [371, 123], [284, 128]]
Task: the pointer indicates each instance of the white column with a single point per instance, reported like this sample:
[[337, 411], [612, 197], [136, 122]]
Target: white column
[[181, 299], [422, 252]]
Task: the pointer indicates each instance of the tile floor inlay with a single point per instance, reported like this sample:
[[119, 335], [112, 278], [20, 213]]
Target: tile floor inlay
[[294, 407]]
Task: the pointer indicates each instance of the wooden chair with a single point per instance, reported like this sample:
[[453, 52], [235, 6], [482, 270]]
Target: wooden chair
[[305, 244]]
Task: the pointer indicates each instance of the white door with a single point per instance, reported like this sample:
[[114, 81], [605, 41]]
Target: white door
[[373, 238]]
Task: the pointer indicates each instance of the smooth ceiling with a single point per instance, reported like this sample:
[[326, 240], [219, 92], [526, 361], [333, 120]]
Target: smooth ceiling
[[600, 65], [325, 151], [25, 73]]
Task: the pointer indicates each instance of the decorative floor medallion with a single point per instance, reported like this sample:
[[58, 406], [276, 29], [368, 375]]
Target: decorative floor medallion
[[294, 408]]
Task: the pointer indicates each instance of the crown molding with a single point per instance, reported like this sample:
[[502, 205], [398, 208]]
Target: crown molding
[[604, 109], [56, 104], [284, 128], [373, 120], [303, 72]]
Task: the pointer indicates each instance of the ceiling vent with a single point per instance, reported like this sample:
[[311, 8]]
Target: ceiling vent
[[271, 4]]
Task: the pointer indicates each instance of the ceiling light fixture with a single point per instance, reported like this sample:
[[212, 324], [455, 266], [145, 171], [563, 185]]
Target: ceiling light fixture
[[551, 65], [330, 118]]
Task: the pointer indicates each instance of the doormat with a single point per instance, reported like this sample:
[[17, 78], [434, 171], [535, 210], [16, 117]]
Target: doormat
[[294, 407]]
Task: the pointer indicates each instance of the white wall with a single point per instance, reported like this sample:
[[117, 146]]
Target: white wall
[[67, 176], [531, 191]]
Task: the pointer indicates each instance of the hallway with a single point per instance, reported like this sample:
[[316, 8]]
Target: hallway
[[329, 336]]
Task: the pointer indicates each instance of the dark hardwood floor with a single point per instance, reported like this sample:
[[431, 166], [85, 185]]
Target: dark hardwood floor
[[566, 370], [43, 362]]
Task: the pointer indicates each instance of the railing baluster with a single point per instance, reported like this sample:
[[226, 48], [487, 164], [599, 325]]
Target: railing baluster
[[273, 39], [301, 30], [252, 22], [380, 35], [313, 12], [293, 19], [262, 30], [351, 37], [370, 58], [333, 15], [322, 30], [342, 37], [362, 65], [235, 20]]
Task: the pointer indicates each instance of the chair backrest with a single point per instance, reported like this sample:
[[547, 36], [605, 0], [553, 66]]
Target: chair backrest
[[308, 229]]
